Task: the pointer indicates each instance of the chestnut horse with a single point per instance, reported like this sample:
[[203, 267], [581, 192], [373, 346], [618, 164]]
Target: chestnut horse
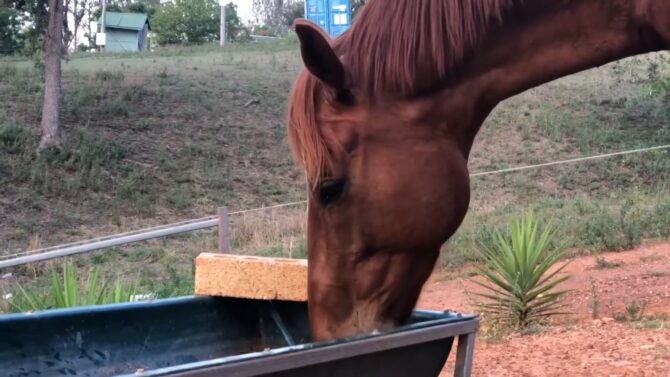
[[383, 119]]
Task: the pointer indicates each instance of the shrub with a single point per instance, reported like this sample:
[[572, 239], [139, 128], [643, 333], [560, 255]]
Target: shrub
[[12, 137], [516, 269]]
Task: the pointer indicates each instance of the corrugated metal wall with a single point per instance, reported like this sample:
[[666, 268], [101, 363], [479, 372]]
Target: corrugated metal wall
[[334, 16], [121, 40]]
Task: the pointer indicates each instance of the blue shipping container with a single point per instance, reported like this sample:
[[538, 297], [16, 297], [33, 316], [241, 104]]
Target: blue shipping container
[[334, 16]]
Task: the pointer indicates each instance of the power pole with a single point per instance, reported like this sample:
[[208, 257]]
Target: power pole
[[102, 27], [222, 27]]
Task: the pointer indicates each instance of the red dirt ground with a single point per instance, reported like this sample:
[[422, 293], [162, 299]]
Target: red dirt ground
[[578, 344]]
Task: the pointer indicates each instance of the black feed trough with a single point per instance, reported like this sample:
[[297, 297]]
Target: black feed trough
[[208, 336]]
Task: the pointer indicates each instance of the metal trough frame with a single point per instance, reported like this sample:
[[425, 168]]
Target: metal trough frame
[[429, 334], [297, 356]]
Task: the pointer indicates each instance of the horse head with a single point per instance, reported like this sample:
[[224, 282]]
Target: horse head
[[383, 119]]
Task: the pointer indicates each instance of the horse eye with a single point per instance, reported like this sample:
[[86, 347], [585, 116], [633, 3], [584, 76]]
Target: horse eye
[[331, 191]]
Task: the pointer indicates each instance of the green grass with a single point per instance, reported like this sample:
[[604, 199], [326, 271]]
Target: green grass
[[187, 145], [587, 225], [158, 137], [655, 322], [69, 289]]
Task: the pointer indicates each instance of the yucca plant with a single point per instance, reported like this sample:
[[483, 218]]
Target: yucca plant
[[520, 288], [67, 291]]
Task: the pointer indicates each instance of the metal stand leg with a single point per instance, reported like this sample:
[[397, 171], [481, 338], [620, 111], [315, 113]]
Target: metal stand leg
[[464, 354]]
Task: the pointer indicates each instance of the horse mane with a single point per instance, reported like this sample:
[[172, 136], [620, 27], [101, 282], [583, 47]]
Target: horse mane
[[399, 47]]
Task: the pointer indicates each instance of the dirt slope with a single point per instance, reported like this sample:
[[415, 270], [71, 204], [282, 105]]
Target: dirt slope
[[578, 345]]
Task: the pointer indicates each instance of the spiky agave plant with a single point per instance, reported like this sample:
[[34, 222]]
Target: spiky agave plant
[[516, 267]]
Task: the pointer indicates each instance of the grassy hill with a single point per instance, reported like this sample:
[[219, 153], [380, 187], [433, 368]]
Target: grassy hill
[[154, 138]]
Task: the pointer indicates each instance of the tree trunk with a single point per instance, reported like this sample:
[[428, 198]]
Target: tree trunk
[[52, 76]]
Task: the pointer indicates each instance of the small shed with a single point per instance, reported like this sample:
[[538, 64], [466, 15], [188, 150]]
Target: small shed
[[125, 31]]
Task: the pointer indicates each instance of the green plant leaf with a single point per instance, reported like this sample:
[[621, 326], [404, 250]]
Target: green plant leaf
[[56, 292], [516, 269]]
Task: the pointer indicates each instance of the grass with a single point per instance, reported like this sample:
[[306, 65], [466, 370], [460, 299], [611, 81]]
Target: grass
[[602, 263], [587, 224], [650, 258], [187, 142], [658, 274], [633, 311], [158, 137], [655, 322], [595, 300], [69, 289], [634, 315]]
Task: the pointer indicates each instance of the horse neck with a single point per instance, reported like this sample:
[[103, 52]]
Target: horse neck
[[542, 40]]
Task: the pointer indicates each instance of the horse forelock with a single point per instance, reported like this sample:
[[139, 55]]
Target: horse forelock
[[402, 48], [306, 139]]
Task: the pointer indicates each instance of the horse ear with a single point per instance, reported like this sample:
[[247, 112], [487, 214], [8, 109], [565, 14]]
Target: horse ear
[[318, 55]]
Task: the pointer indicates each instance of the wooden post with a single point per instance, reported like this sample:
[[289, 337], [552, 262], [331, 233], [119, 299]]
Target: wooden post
[[224, 237]]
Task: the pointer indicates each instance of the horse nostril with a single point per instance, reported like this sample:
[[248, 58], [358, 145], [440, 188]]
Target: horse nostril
[[331, 191]]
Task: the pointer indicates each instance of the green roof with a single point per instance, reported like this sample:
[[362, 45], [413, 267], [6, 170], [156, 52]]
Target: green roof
[[128, 21]]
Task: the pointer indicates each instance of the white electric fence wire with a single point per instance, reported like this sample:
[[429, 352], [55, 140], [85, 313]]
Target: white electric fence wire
[[29, 256]]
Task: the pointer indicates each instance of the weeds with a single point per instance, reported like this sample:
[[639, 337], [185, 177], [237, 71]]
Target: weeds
[[175, 284], [631, 229], [650, 258], [595, 300], [662, 218], [659, 321], [12, 137], [277, 233], [83, 159], [105, 75], [633, 311], [634, 315], [602, 263], [657, 274]]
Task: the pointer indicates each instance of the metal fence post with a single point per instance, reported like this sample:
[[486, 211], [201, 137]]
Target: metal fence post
[[224, 236], [464, 355]]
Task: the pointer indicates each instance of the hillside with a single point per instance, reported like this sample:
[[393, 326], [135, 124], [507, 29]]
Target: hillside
[[150, 139], [160, 137]]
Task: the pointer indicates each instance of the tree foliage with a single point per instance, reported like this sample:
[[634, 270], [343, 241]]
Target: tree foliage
[[293, 11], [35, 15], [356, 6], [9, 30], [187, 21], [235, 31], [134, 6], [277, 15]]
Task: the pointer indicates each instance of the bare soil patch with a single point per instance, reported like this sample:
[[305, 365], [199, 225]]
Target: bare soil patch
[[578, 344]]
